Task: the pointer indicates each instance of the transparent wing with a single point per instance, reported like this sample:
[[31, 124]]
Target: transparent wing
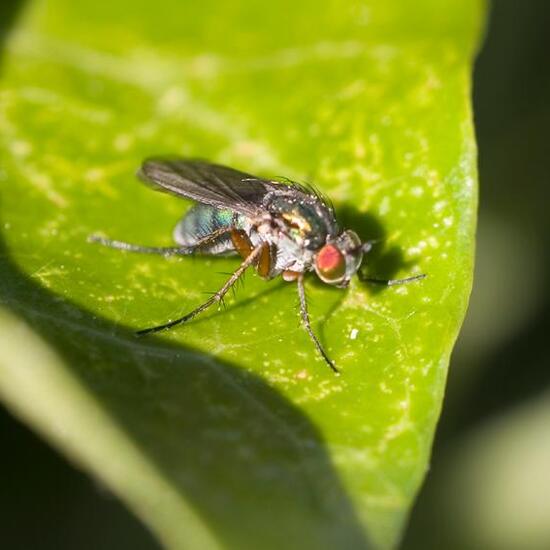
[[208, 183]]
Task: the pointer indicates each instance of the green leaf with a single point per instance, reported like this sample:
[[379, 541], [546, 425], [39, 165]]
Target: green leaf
[[231, 431]]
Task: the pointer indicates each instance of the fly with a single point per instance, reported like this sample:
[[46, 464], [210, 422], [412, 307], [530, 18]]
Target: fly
[[284, 229]]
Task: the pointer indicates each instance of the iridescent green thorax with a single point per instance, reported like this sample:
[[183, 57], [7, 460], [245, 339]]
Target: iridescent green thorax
[[307, 220]]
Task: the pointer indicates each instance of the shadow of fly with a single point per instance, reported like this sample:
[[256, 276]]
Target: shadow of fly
[[278, 228]]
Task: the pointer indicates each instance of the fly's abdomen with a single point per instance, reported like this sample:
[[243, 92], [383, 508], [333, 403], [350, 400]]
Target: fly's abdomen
[[202, 220]]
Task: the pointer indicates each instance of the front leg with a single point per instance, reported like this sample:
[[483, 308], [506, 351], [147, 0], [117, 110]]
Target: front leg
[[391, 282], [307, 324]]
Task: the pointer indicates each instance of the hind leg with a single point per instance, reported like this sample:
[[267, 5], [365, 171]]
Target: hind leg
[[160, 250]]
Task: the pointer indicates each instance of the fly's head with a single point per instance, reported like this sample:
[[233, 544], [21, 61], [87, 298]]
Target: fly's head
[[340, 258]]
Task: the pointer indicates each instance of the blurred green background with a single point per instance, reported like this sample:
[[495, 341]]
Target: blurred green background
[[490, 478]]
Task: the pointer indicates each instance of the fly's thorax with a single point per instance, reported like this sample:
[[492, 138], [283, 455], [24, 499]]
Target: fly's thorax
[[303, 218], [289, 254], [339, 259]]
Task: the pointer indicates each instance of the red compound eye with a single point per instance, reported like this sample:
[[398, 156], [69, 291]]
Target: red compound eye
[[330, 264]]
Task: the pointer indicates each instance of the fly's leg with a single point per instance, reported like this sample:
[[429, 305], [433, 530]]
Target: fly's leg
[[129, 247], [305, 319], [160, 250], [392, 282], [217, 297]]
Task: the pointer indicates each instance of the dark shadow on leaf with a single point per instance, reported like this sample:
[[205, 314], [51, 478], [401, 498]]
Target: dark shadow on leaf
[[246, 458], [383, 261], [366, 225], [9, 10]]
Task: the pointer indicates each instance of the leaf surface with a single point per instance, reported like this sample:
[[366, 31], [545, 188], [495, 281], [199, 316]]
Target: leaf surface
[[230, 431]]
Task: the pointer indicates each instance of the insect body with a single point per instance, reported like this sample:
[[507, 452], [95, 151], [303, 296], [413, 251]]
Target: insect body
[[278, 228]]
